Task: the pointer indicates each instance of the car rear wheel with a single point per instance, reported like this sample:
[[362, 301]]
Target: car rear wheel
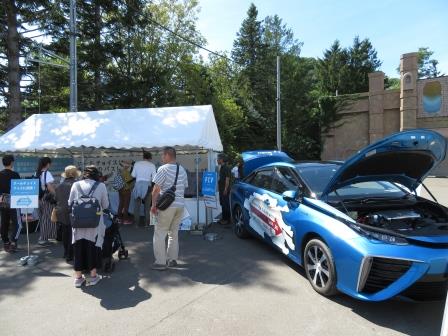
[[319, 267], [238, 223]]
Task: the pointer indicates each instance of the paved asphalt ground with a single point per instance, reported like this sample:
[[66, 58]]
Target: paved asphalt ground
[[226, 287]]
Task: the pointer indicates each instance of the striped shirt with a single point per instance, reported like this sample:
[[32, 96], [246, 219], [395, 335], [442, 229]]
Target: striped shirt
[[165, 179]]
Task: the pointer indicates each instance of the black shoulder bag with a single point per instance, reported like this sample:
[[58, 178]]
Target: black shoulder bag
[[168, 197], [47, 195]]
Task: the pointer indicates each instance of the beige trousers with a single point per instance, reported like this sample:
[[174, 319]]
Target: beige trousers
[[168, 222]]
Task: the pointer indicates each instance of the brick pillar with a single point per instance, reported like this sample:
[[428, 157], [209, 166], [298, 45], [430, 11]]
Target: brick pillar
[[376, 108], [408, 91]]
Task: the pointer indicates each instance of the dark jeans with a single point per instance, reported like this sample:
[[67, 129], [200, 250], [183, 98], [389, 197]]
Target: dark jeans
[[9, 216], [67, 240], [225, 205]]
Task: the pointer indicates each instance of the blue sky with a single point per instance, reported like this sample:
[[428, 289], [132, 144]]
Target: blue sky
[[394, 27]]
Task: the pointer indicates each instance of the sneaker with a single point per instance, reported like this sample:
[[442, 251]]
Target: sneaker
[[172, 263], [223, 222], [93, 281], [158, 267], [79, 282], [42, 242]]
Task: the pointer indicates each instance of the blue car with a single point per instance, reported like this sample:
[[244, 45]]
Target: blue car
[[357, 227]]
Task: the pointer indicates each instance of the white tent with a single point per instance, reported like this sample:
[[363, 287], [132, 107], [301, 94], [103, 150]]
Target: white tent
[[189, 127]]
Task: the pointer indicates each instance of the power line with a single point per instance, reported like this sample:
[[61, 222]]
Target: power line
[[186, 39]]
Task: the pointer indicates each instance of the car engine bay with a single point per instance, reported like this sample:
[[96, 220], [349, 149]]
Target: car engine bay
[[422, 218]]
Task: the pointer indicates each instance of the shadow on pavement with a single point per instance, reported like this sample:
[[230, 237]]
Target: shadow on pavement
[[410, 318], [228, 262], [119, 290]]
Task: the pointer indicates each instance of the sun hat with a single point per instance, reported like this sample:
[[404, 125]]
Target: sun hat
[[71, 172]]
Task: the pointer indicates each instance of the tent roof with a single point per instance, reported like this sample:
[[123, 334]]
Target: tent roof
[[187, 127]]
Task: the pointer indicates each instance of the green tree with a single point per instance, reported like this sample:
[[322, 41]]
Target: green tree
[[346, 70], [427, 66], [16, 18], [332, 70], [363, 60]]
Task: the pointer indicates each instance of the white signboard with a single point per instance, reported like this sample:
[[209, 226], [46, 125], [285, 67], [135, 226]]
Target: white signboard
[[25, 194]]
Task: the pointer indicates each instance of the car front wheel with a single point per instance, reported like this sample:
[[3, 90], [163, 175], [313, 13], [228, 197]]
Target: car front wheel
[[238, 223], [319, 267]]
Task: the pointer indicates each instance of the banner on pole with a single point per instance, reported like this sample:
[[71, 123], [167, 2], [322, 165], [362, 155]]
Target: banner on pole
[[209, 189], [25, 194]]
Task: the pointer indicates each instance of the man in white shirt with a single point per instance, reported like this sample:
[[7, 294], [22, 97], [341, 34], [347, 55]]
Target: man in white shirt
[[143, 172]]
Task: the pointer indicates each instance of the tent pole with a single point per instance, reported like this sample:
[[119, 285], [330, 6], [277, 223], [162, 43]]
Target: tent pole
[[82, 158], [197, 190]]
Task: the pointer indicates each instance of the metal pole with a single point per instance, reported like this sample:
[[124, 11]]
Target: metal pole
[[279, 117], [27, 233], [73, 66], [39, 91], [197, 190], [444, 330]]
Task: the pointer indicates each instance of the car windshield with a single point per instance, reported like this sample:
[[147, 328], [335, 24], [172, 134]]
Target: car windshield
[[318, 177], [369, 189]]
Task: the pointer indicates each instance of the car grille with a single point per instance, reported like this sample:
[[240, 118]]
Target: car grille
[[427, 288], [384, 272]]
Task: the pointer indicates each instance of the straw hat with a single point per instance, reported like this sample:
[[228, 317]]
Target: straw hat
[[71, 172]]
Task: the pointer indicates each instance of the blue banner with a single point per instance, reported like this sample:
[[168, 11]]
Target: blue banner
[[209, 183]]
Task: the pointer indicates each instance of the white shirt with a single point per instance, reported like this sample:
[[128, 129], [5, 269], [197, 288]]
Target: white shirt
[[144, 171], [50, 179], [235, 172]]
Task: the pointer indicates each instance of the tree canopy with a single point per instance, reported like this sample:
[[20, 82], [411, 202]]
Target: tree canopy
[[142, 53]]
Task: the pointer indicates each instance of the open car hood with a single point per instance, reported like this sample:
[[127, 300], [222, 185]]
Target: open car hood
[[406, 158], [255, 159]]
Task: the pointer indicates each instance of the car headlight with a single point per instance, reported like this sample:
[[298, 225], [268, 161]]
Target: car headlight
[[384, 237]]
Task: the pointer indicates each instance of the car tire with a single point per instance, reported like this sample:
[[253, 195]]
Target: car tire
[[238, 223], [319, 267]]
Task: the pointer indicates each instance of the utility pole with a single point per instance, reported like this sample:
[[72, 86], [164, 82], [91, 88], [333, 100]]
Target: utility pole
[[73, 66], [279, 117]]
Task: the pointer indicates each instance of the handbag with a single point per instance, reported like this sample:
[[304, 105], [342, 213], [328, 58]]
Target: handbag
[[45, 194], [118, 182], [168, 197], [49, 197], [5, 201]]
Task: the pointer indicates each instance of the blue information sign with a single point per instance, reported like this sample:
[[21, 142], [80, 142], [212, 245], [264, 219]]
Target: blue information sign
[[25, 193], [209, 189]]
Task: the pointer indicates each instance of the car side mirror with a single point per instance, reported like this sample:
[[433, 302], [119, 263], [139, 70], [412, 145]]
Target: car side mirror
[[290, 195]]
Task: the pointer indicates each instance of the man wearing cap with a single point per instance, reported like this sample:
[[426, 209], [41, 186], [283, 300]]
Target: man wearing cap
[[224, 188]]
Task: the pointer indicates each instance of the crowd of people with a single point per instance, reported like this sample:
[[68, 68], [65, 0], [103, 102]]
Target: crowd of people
[[161, 192]]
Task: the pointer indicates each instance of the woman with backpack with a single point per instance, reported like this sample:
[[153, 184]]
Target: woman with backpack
[[48, 229], [70, 174], [88, 237]]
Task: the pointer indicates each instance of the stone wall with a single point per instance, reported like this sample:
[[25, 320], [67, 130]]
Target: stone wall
[[378, 113]]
